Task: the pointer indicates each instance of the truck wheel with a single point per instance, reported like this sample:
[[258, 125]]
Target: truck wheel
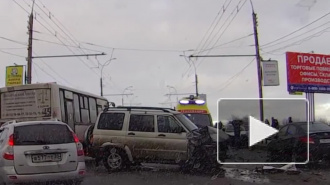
[[115, 159]]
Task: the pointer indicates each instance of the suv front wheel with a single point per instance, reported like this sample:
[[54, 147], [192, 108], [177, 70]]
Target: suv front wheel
[[115, 159]]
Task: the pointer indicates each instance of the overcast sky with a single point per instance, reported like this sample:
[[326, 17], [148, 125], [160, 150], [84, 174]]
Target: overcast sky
[[148, 37]]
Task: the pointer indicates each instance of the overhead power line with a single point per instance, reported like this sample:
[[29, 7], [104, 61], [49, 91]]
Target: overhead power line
[[230, 80], [215, 22], [67, 47], [60, 44], [21, 7], [232, 41], [45, 72], [11, 48], [56, 37], [292, 38], [11, 40], [13, 54], [317, 34], [54, 71], [60, 24], [59, 27], [237, 9], [323, 16], [133, 49]]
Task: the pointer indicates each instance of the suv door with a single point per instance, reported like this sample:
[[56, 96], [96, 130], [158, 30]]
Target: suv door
[[171, 139], [141, 136], [110, 127]]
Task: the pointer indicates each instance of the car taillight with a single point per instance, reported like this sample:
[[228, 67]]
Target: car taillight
[[11, 140], [80, 148], [305, 140], [75, 137], [9, 154]]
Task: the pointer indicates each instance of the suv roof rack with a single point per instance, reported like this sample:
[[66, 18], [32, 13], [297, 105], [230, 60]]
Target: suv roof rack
[[148, 108]]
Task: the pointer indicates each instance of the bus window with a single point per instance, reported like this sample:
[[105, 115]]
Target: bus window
[[85, 103], [76, 108], [62, 106], [68, 95], [69, 111], [92, 109], [81, 102], [85, 116]]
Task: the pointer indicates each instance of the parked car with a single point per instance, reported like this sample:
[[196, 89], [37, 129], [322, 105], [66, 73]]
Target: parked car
[[123, 136], [290, 144], [40, 151]]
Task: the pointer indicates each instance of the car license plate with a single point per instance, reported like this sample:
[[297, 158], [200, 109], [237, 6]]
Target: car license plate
[[324, 140], [46, 158]]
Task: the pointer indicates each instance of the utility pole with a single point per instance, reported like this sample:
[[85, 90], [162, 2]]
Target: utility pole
[[196, 84], [196, 78], [101, 85], [258, 58], [29, 58], [259, 70]]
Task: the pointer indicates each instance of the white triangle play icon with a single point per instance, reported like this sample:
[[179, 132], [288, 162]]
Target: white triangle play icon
[[259, 131]]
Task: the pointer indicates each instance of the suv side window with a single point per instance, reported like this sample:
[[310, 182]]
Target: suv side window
[[111, 121], [141, 123], [167, 124]]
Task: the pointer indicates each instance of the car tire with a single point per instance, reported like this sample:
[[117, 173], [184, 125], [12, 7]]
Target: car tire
[[115, 159]]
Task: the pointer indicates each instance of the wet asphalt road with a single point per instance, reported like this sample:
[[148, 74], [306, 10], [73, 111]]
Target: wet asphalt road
[[170, 175]]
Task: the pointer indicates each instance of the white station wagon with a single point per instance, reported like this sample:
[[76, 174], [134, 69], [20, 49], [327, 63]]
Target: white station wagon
[[40, 151]]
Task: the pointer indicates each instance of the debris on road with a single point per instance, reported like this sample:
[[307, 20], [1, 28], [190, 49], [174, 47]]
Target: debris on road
[[289, 169]]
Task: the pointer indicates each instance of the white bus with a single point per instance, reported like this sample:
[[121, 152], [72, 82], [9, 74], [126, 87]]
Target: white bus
[[45, 101]]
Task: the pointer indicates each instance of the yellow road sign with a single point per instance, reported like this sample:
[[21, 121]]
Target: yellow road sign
[[14, 75]]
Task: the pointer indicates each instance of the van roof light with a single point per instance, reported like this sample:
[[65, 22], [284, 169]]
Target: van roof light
[[184, 102], [199, 102]]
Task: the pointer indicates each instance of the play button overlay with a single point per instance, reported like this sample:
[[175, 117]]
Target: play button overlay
[[278, 138], [259, 131]]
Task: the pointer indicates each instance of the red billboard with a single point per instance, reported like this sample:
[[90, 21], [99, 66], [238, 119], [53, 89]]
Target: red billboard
[[308, 72]]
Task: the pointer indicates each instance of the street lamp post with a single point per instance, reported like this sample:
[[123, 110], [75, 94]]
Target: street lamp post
[[102, 67], [122, 97]]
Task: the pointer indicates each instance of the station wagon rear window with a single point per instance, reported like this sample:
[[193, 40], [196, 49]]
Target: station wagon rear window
[[111, 121], [42, 134]]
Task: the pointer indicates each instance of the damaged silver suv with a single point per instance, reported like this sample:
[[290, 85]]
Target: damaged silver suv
[[123, 136]]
